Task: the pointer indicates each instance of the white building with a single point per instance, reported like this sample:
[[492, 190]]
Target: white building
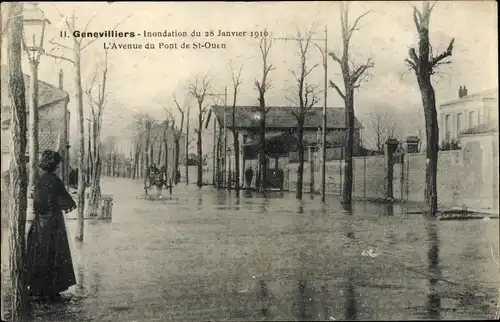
[[466, 112]]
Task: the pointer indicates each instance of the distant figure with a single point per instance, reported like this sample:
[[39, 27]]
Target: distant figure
[[249, 176], [155, 178], [48, 258]]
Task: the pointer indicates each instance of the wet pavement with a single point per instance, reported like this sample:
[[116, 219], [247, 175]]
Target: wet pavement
[[207, 255]]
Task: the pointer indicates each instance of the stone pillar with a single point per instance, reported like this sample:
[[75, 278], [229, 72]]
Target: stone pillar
[[390, 147], [412, 143]]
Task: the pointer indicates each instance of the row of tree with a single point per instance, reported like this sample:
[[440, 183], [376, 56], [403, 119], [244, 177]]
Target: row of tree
[[423, 62]]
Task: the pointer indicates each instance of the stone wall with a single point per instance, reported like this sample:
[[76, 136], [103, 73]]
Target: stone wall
[[409, 179]]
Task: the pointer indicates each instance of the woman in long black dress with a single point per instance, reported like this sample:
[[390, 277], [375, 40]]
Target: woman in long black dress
[[49, 264]]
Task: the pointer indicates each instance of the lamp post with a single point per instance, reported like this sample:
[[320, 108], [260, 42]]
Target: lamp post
[[324, 55], [34, 23]]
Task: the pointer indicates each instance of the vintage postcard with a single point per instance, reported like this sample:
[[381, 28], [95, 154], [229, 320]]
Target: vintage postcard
[[206, 161]]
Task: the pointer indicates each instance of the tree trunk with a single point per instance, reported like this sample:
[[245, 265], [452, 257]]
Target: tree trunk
[[18, 172], [186, 169], [262, 150], [432, 137], [176, 158], [81, 148], [236, 146], [199, 148], [158, 157], [349, 146], [300, 170], [89, 154], [94, 200], [165, 142], [218, 157], [151, 152], [134, 167]]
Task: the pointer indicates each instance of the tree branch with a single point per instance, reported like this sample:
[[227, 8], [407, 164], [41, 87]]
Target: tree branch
[[361, 70], [335, 57], [353, 27], [59, 45], [447, 53], [93, 40], [332, 84], [59, 57], [412, 65], [65, 19]]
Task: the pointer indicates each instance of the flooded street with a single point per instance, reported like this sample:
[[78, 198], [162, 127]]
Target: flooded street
[[203, 254]]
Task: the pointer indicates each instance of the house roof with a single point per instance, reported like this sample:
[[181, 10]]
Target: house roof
[[281, 117], [47, 93], [490, 127], [47, 141], [489, 93]]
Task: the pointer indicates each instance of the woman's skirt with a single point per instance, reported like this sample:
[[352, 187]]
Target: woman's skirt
[[49, 264]]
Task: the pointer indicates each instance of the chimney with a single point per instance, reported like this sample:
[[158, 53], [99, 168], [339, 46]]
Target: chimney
[[61, 79]]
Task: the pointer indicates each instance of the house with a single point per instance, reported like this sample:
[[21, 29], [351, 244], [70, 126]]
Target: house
[[280, 120], [466, 112], [53, 119]]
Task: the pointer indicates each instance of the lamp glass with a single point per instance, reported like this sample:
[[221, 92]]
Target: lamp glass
[[34, 23]]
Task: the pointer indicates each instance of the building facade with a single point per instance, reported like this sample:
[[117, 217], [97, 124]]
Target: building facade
[[53, 120], [466, 112]]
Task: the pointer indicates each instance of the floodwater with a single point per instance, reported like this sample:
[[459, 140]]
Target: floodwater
[[203, 254]]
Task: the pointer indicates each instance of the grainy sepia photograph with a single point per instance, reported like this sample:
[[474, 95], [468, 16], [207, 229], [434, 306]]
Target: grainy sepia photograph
[[249, 161]]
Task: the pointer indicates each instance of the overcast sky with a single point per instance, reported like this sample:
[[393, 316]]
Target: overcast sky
[[140, 79]]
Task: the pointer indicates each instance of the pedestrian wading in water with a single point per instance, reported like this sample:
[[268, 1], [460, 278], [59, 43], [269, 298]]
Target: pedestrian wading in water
[[49, 265]]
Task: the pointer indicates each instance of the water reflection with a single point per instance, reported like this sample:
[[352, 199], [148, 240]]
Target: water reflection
[[350, 304], [264, 300], [433, 298], [95, 283], [304, 301], [300, 206], [324, 302], [262, 207], [389, 209], [80, 289]]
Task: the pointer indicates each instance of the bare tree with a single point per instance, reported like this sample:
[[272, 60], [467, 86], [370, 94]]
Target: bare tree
[[199, 90], [177, 134], [424, 64], [236, 80], [18, 173], [262, 87], [143, 126], [96, 95], [384, 126], [305, 96], [77, 48], [352, 74]]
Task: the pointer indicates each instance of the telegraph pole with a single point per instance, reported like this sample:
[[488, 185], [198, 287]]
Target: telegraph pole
[[225, 137], [323, 145], [324, 55]]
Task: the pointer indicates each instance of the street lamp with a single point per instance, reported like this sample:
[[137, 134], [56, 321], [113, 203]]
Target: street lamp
[[34, 23]]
